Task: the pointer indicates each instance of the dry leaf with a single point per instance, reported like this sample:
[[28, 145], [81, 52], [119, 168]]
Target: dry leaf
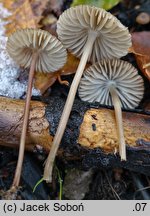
[[25, 13], [22, 16], [71, 65], [141, 49], [12, 4], [38, 6], [44, 81]]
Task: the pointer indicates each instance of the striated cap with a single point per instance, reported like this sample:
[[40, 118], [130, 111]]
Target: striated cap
[[94, 85], [23, 43], [74, 25]]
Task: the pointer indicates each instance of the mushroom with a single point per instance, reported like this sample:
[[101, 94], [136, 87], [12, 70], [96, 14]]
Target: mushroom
[[40, 51], [92, 34], [113, 82]]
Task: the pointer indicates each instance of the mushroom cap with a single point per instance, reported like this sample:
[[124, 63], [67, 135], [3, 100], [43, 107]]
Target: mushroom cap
[[23, 43], [94, 85], [113, 38]]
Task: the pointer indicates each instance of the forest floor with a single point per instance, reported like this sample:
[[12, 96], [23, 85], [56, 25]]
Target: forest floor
[[69, 181]]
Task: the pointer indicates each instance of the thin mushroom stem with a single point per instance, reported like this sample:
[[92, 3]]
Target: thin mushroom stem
[[119, 122], [67, 108], [25, 123]]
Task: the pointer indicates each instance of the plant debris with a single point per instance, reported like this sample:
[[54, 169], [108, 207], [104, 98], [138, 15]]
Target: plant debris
[[121, 181]]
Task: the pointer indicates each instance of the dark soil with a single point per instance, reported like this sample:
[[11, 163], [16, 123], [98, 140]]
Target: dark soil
[[105, 184]]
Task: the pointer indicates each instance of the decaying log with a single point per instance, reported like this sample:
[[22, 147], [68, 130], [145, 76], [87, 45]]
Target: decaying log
[[90, 138], [11, 118]]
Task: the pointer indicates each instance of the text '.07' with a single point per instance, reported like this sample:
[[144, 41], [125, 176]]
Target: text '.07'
[[140, 207]]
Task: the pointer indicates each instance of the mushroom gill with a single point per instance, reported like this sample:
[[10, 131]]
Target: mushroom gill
[[114, 83], [107, 36], [51, 54]]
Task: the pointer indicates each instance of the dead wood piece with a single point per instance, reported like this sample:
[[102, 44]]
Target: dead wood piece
[[11, 117], [99, 130], [90, 139]]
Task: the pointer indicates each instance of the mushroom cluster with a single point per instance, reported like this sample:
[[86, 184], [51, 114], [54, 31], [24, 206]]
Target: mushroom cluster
[[92, 34], [113, 82], [40, 51]]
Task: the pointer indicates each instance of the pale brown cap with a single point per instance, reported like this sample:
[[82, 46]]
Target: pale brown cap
[[94, 86], [113, 38], [23, 43]]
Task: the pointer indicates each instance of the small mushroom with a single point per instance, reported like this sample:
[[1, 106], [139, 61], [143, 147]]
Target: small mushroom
[[113, 82], [40, 51], [92, 34]]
